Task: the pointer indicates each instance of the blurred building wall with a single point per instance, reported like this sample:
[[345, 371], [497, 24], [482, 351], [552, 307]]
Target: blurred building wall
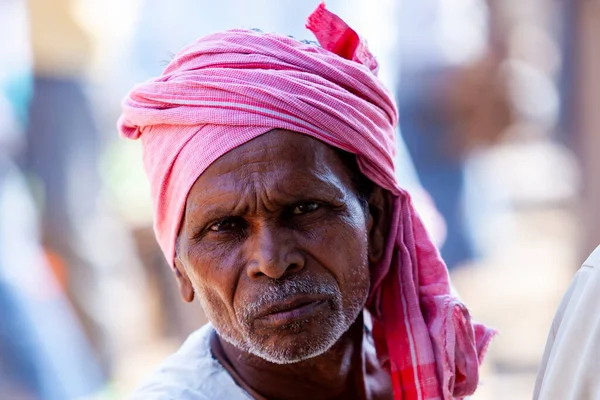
[[587, 124]]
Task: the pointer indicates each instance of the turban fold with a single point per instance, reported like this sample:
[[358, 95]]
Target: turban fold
[[230, 87]]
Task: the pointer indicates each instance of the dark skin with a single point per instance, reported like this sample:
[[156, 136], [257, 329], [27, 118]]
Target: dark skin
[[276, 240]]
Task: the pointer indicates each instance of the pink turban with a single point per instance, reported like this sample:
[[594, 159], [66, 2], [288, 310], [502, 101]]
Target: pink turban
[[230, 87]]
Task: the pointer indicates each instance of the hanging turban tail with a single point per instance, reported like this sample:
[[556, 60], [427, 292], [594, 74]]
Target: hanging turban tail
[[228, 88]]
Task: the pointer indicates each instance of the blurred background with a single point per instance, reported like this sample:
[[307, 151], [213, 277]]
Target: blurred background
[[498, 140]]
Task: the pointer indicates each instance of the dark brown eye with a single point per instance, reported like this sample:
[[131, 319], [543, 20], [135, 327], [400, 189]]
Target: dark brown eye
[[225, 225], [305, 208]]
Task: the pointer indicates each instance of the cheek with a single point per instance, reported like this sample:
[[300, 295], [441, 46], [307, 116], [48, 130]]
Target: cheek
[[214, 273], [341, 245]]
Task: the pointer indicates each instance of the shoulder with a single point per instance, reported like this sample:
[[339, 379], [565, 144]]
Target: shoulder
[[574, 340], [190, 374], [583, 292], [593, 260], [583, 286]]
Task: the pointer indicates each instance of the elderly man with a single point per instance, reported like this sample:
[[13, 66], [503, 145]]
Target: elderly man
[[271, 167]]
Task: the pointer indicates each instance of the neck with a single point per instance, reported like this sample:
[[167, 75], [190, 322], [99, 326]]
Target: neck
[[338, 373]]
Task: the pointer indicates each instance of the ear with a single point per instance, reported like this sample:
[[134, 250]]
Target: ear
[[183, 281], [378, 225]]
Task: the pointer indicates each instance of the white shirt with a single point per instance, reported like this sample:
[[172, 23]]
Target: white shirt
[[192, 373], [570, 368]]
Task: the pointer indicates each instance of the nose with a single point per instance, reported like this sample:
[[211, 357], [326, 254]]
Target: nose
[[272, 253]]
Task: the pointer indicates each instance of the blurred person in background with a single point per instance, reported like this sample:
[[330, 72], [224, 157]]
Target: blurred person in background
[[451, 100], [569, 368], [287, 319], [63, 150], [44, 354]]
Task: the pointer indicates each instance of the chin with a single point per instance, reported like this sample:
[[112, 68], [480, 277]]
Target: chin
[[298, 340], [293, 354]]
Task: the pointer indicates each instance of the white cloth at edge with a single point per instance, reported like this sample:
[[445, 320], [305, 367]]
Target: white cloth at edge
[[192, 373], [571, 363]]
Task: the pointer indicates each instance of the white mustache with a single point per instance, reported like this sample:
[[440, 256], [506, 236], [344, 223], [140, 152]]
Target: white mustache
[[279, 292]]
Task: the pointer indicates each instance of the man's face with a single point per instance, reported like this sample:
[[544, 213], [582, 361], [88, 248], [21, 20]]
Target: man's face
[[274, 242]]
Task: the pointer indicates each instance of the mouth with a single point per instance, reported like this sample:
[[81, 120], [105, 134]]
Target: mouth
[[295, 309]]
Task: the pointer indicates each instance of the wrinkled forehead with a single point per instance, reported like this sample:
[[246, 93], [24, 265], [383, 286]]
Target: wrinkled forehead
[[279, 147], [270, 172], [285, 158]]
